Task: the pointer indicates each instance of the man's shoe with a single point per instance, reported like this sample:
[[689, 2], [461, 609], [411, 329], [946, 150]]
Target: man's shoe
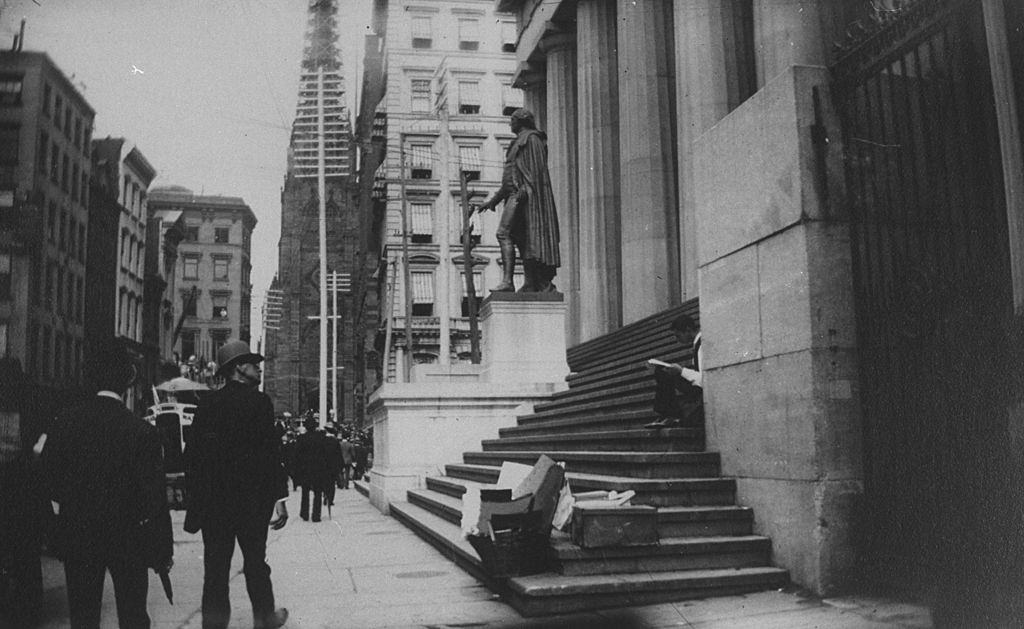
[[504, 287], [275, 620]]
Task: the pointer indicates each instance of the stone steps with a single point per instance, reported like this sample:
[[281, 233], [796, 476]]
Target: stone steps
[[649, 491], [598, 421], [628, 464], [704, 521], [631, 440], [552, 593]]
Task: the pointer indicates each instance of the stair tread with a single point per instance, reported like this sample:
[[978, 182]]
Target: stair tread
[[553, 584], [602, 478], [665, 544], [639, 456], [611, 435]]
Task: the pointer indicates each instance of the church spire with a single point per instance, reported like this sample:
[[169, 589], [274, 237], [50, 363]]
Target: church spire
[[321, 51]]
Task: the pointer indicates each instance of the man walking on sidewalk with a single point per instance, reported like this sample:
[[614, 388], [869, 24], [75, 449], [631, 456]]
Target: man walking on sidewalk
[[236, 480]]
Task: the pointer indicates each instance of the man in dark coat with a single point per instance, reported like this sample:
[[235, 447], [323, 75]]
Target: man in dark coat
[[103, 467], [236, 481], [529, 221], [314, 470]]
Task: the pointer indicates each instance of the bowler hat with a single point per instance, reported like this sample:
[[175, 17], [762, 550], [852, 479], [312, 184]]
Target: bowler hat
[[233, 353]]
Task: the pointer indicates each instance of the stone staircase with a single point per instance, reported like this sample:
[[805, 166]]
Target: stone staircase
[[596, 428]]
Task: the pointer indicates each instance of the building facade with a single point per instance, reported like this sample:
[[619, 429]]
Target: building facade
[[122, 176], [164, 232], [440, 78], [293, 350], [810, 171], [212, 277], [45, 129]]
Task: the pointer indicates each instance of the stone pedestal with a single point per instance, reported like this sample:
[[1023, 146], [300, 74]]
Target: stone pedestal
[[524, 338], [420, 426]]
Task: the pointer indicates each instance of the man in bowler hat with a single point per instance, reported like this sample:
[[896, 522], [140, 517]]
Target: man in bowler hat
[[103, 469], [235, 483]]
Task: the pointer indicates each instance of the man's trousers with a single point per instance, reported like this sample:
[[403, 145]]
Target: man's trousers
[[85, 591], [249, 528]]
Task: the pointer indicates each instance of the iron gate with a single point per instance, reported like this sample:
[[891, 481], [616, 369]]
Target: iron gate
[[931, 268]]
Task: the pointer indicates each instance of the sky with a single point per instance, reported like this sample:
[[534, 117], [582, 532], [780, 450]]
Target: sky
[[205, 88]]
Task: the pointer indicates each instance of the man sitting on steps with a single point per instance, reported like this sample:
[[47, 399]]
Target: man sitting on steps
[[679, 396]]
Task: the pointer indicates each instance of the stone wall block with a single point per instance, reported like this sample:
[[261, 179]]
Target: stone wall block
[[784, 290], [731, 321]]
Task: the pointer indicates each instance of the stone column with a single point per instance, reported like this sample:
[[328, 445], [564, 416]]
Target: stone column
[[788, 33], [650, 222], [533, 81], [702, 99], [600, 286], [560, 50]]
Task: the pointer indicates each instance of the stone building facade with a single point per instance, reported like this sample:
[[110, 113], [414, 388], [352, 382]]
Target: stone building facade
[[782, 161], [45, 129], [440, 110], [212, 282]]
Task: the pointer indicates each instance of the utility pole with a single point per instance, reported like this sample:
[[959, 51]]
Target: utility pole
[[334, 344], [322, 193], [405, 268], [467, 269], [445, 211]]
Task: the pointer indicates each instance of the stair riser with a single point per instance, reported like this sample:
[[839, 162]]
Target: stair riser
[[705, 528], [439, 510], [650, 444], [610, 393], [611, 468], [631, 402], [444, 488], [546, 606], [579, 425], [664, 563]]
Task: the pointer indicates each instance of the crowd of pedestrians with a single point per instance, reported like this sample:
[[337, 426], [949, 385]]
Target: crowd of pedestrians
[[84, 481]]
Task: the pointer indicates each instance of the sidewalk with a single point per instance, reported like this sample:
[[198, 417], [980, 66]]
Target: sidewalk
[[364, 570]]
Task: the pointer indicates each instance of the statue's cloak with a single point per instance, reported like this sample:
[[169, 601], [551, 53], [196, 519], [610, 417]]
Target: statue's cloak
[[536, 232]]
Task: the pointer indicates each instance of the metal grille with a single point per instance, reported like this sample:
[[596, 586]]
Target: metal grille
[[930, 261]]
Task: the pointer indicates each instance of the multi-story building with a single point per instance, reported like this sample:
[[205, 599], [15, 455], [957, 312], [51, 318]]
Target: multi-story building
[[165, 231], [212, 275], [293, 351], [443, 112], [121, 179], [45, 129]]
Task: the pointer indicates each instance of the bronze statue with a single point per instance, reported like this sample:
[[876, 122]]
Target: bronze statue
[[528, 221]]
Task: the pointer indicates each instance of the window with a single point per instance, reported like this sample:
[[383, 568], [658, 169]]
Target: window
[[74, 182], [78, 132], [85, 189], [10, 89], [47, 352], [421, 95], [41, 157], [9, 135], [188, 306], [422, 32], [469, 97], [33, 349], [52, 218], [220, 307], [422, 222], [192, 233], [81, 243], [191, 267], [188, 344], [65, 174], [469, 162], [221, 234], [54, 162], [511, 99], [508, 36], [422, 293], [220, 268], [475, 228], [219, 338], [58, 110], [422, 161], [478, 290], [47, 97], [5, 277], [469, 34], [67, 121]]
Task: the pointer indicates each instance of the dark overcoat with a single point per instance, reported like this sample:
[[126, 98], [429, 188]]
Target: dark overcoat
[[535, 231], [104, 467], [233, 457]]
